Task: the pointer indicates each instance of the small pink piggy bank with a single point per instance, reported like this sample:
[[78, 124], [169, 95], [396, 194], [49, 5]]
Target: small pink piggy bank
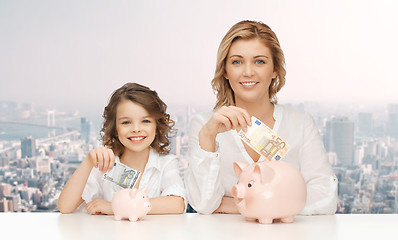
[[131, 203], [268, 191]]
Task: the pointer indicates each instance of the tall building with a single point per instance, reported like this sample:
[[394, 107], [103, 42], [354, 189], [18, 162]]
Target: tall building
[[393, 120], [28, 147], [85, 129], [3, 205], [339, 138], [13, 202], [365, 123]]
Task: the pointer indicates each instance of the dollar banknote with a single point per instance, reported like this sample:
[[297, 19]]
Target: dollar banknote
[[122, 175], [264, 140]]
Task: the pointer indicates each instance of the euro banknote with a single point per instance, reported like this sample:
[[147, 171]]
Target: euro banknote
[[264, 140], [122, 175]]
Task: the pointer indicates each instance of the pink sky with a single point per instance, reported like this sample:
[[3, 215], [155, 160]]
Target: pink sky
[[73, 53]]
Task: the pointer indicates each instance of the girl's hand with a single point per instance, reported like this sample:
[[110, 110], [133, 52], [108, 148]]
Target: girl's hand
[[227, 118], [102, 158], [99, 206]]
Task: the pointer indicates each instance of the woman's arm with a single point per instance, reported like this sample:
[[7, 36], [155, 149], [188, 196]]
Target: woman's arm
[[227, 206], [167, 205], [317, 172], [204, 189], [203, 186]]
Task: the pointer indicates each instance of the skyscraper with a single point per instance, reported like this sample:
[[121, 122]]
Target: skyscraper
[[393, 120], [365, 123], [28, 147], [85, 129], [339, 138]]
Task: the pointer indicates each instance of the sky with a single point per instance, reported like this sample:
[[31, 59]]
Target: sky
[[72, 54]]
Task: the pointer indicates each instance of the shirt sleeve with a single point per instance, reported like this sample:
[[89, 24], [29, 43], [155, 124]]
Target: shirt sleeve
[[317, 172], [93, 188], [172, 183], [202, 177]]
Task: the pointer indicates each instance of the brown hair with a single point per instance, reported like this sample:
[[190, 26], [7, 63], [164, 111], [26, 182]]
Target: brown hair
[[148, 99], [247, 30]]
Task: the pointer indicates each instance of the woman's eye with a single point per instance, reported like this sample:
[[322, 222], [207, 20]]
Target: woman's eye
[[236, 62], [249, 185], [260, 62]]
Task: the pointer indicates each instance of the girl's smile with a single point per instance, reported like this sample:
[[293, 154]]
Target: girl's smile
[[137, 139]]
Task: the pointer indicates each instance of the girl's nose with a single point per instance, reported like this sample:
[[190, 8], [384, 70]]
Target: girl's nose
[[135, 128]]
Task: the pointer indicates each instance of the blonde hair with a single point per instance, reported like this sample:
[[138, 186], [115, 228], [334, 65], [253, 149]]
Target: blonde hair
[[247, 30]]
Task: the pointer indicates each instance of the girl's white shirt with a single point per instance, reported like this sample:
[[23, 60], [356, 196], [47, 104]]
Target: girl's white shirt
[[210, 175], [161, 177]]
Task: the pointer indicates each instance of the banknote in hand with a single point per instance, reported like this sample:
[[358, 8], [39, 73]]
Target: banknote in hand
[[264, 140], [122, 175]]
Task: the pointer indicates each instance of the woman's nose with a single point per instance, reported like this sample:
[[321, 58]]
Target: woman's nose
[[248, 70]]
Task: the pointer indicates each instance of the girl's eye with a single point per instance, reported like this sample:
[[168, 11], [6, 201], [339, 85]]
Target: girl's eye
[[260, 62], [236, 62], [146, 121], [249, 185], [125, 122]]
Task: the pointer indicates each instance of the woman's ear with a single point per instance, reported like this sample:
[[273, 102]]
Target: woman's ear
[[225, 75], [274, 74]]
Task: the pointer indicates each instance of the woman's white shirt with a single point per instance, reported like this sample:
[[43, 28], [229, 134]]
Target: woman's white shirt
[[210, 175], [161, 177]]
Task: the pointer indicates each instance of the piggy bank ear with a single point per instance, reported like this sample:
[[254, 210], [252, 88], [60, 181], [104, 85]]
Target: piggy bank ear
[[133, 192], [266, 173], [239, 166]]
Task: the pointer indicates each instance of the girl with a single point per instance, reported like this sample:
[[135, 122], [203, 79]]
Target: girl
[[249, 72], [135, 133]]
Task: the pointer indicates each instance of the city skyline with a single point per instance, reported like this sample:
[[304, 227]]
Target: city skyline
[[33, 170]]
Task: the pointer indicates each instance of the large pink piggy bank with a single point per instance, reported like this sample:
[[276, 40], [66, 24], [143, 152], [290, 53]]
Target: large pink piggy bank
[[268, 191], [131, 203]]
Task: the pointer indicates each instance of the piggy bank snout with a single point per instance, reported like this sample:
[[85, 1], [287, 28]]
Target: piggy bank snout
[[238, 191]]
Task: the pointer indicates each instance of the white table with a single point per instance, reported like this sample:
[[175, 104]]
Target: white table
[[195, 226]]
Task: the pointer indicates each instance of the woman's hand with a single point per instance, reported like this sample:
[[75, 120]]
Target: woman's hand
[[99, 206], [227, 206], [227, 118], [224, 119], [102, 158]]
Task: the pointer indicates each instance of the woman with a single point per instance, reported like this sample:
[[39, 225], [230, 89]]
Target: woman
[[249, 72]]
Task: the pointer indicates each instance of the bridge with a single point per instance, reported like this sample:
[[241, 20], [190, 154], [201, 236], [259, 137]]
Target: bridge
[[37, 125]]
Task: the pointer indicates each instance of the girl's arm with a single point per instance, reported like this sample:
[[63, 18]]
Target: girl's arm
[[71, 196], [167, 205]]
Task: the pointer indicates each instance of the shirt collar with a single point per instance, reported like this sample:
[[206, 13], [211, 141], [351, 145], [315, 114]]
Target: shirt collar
[[153, 160]]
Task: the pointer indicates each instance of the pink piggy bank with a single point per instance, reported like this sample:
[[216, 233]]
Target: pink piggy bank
[[131, 203], [268, 191]]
